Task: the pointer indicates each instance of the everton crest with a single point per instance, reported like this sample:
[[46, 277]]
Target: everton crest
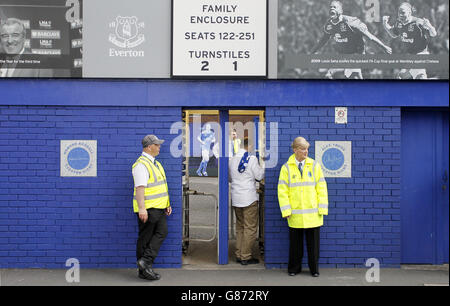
[[126, 32]]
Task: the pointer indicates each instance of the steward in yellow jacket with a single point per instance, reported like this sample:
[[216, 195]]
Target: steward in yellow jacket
[[156, 192], [303, 199], [151, 205]]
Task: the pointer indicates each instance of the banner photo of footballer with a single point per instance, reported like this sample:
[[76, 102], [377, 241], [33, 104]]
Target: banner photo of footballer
[[363, 39], [204, 139], [40, 39]]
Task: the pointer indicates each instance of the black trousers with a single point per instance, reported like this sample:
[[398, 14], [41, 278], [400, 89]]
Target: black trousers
[[151, 235], [296, 249]]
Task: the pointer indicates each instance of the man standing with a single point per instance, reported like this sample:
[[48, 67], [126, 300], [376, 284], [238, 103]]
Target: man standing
[[151, 203], [303, 199], [244, 171], [235, 143]]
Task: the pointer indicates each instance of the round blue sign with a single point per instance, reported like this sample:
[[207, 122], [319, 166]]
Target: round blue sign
[[78, 158], [333, 159]]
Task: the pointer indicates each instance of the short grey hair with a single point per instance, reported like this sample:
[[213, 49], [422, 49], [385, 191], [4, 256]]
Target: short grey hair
[[12, 21]]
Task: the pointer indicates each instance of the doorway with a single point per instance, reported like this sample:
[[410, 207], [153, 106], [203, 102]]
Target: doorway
[[208, 220], [424, 193]]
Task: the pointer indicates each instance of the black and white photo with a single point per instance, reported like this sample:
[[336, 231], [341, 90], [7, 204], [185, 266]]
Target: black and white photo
[[40, 39], [363, 39]]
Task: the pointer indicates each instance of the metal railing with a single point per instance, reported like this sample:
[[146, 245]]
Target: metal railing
[[187, 226]]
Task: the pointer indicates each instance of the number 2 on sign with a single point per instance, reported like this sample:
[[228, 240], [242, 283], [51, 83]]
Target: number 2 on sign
[[205, 66]]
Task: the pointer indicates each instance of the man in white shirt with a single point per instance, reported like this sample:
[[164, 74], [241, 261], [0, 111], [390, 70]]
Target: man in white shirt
[[244, 171], [151, 204]]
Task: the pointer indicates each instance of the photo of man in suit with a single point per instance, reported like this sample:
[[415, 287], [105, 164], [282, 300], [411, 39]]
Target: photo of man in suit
[[12, 41]]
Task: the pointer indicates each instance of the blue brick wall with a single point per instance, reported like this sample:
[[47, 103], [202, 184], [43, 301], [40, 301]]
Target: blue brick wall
[[364, 210], [46, 219]]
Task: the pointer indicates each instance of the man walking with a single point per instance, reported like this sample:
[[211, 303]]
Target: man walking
[[244, 171], [303, 199], [151, 203]]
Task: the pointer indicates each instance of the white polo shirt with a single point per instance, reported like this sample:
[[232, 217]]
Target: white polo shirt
[[140, 172], [243, 185]]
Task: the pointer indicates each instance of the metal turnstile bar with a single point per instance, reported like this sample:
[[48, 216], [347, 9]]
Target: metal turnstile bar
[[187, 224]]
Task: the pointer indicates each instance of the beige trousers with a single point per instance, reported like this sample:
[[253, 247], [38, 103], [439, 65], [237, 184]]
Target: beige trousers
[[246, 229]]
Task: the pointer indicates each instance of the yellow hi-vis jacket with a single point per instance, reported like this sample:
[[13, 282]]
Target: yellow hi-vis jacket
[[236, 145], [303, 197], [156, 192]]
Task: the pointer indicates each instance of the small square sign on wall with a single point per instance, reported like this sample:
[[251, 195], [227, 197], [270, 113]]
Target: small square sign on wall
[[340, 115], [335, 158], [79, 158]]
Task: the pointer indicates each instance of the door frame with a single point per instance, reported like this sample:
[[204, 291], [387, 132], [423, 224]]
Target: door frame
[[224, 213]]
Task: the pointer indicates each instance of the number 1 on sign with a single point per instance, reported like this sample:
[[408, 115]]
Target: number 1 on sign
[[235, 65]]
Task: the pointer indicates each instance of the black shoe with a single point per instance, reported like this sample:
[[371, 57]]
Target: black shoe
[[251, 261], [141, 274], [143, 264], [238, 260], [316, 274], [149, 274]]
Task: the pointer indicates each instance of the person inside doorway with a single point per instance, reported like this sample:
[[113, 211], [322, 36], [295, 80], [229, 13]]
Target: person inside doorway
[[235, 143], [244, 171]]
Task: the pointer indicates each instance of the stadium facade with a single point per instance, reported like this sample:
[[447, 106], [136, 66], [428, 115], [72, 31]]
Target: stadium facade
[[68, 142], [394, 207]]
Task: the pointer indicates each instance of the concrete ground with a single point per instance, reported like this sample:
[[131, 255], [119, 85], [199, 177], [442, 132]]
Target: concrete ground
[[228, 276]]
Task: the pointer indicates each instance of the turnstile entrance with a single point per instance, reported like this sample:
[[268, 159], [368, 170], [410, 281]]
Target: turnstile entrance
[[202, 137]]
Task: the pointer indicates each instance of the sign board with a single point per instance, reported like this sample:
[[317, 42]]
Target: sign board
[[78, 158], [126, 39], [46, 39], [340, 115], [225, 38], [363, 39], [335, 158]]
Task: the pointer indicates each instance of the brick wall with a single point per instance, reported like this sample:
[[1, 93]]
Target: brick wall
[[46, 219], [364, 210]]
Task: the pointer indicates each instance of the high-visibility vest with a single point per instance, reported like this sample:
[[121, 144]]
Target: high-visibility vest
[[303, 197], [236, 145], [156, 194]]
